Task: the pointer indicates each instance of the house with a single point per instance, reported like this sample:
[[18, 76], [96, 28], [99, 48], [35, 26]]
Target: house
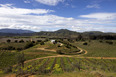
[[53, 41]]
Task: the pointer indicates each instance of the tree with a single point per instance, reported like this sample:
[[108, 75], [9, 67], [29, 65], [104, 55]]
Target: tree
[[80, 37], [85, 43], [16, 41], [59, 52], [28, 45], [42, 43], [21, 41], [8, 41], [20, 59]]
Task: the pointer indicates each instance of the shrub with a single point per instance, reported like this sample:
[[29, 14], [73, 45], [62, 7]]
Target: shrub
[[109, 42], [85, 43], [59, 52], [28, 45], [100, 41], [68, 46], [20, 59], [21, 41], [10, 48], [42, 43], [8, 69], [8, 41], [33, 41], [19, 49], [39, 40], [16, 41]]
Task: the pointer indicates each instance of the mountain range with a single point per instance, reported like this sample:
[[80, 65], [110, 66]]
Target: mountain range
[[15, 31], [58, 33]]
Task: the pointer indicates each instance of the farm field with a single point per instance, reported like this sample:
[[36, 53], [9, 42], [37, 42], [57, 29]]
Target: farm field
[[68, 64], [98, 49], [43, 60], [16, 45]]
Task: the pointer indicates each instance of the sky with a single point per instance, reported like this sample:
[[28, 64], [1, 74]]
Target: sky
[[51, 15]]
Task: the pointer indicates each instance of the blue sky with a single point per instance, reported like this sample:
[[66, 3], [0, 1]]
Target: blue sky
[[50, 15]]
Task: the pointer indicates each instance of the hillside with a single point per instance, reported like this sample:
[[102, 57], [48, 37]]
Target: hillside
[[62, 33]]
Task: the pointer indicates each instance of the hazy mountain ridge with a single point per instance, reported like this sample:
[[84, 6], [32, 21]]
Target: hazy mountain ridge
[[15, 31], [58, 33]]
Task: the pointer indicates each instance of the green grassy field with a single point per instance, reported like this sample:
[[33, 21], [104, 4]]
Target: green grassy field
[[97, 49]]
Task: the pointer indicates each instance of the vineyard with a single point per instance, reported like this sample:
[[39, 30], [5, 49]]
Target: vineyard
[[47, 59], [8, 58], [65, 64]]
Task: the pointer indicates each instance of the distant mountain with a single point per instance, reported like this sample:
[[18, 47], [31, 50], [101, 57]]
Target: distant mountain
[[93, 33], [15, 31], [62, 33], [58, 33]]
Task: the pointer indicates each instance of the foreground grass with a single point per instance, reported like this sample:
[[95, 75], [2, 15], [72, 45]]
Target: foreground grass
[[97, 49]]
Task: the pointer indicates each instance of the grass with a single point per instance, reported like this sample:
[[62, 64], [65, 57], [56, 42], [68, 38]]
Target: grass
[[97, 49]]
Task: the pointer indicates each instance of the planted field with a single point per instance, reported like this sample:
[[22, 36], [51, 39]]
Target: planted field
[[65, 48], [65, 64], [8, 58], [98, 49], [16, 45]]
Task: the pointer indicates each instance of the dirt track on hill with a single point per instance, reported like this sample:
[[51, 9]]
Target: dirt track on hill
[[73, 56], [46, 49], [76, 56]]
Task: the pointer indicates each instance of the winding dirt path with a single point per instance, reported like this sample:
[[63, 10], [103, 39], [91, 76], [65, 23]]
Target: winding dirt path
[[46, 49], [75, 56], [70, 56], [47, 57]]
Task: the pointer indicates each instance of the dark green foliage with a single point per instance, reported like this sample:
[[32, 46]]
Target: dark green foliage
[[68, 46], [8, 41], [70, 40], [101, 41], [28, 45], [7, 48], [85, 43], [42, 43], [39, 40], [33, 41], [19, 49], [16, 41], [8, 69], [20, 59], [21, 41], [109, 42], [11, 48], [46, 40], [59, 52]]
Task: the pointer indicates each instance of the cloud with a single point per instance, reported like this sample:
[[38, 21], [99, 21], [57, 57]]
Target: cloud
[[10, 10], [6, 5], [100, 16], [43, 19], [27, 1], [93, 6], [50, 2]]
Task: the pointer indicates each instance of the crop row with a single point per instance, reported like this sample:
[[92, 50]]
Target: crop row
[[64, 64]]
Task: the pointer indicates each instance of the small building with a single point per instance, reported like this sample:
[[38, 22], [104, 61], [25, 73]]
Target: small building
[[53, 41]]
